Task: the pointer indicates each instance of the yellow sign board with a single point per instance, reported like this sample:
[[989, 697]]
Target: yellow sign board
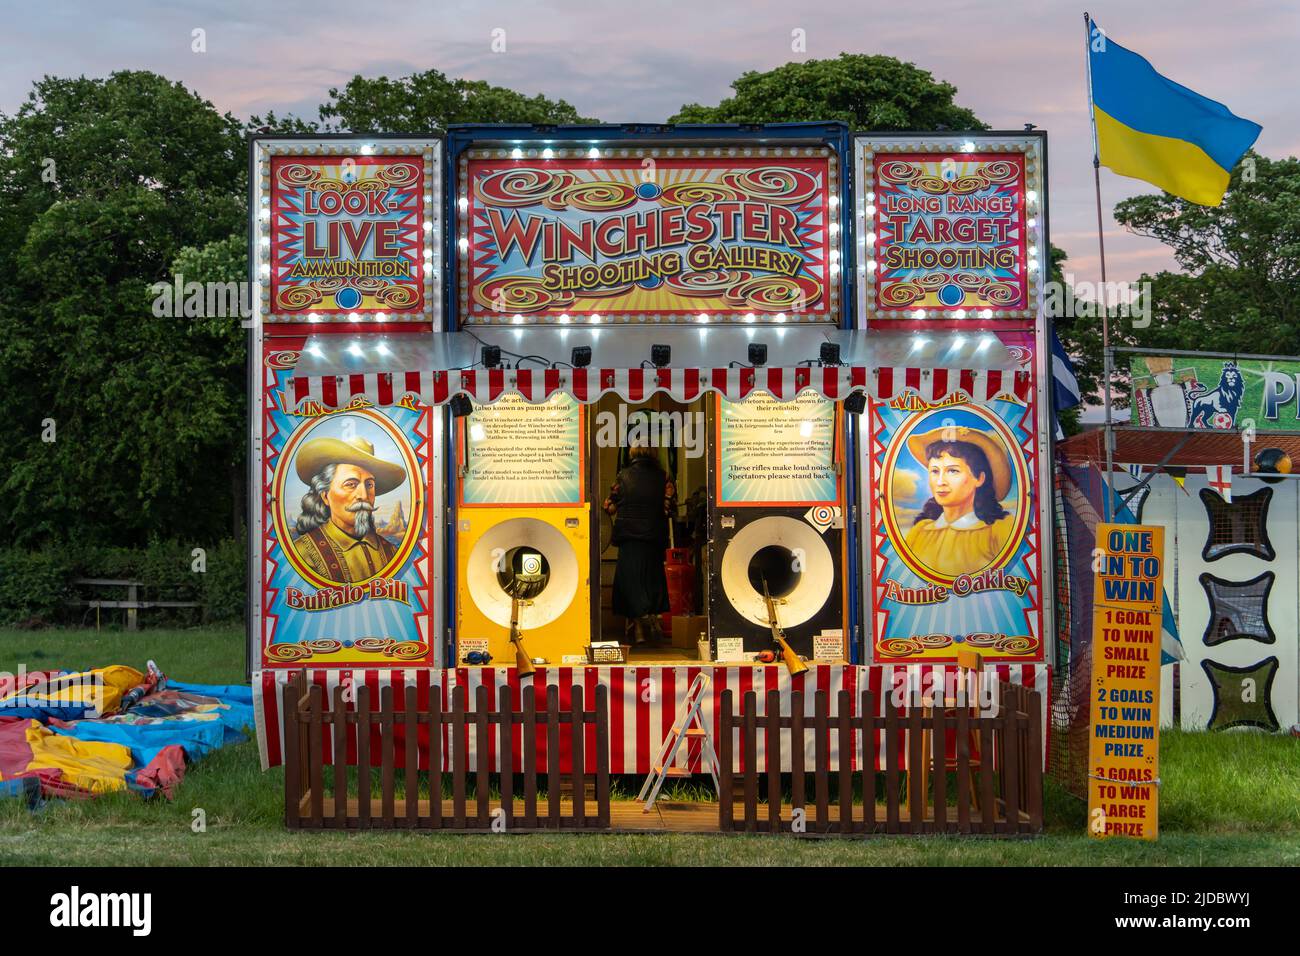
[[1124, 724]]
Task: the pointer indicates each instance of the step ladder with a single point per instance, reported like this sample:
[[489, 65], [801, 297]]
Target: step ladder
[[687, 726]]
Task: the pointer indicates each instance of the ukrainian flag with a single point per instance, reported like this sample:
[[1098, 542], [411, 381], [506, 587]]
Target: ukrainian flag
[[1151, 128]]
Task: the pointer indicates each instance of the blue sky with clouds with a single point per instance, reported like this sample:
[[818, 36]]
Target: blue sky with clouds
[[638, 60]]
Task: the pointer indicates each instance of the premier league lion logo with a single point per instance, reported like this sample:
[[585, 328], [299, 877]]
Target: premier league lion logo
[[1217, 408]]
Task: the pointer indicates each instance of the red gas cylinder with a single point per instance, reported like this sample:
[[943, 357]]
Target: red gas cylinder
[[681, 585]]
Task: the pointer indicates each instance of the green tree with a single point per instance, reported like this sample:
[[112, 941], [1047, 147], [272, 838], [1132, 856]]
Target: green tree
[[103, 183], [867, 92], [1239, 290], [430, 101]]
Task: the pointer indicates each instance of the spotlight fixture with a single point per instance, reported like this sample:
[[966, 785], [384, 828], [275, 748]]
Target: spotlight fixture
[[462, 406], [757, 353], [580, 357], [491, 356], [856, 403], [830, 353], [661, 355]]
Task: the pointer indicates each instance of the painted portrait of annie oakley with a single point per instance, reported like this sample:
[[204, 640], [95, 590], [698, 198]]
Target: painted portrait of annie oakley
[[965, 523], [336, 534]]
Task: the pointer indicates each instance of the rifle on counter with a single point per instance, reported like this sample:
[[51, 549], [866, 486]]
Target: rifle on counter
[[793, 662]]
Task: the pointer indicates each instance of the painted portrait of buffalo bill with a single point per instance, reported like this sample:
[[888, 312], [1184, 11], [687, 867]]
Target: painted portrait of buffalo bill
[[336, 533]]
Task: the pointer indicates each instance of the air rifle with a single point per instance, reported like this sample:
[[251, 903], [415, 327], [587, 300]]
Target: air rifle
[[793, 662], [523, 662]]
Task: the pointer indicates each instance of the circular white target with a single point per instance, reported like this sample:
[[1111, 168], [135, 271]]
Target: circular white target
[[793, 558], [485, 584]]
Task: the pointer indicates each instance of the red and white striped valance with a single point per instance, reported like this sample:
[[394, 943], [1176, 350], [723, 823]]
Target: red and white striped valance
[[638, 384]]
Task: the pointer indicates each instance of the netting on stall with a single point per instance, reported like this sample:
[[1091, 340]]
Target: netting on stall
[[1238, 609], [1239, 526], [1077, 515]]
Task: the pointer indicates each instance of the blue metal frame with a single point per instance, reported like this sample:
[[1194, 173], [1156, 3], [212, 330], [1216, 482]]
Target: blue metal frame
[[834, 135]]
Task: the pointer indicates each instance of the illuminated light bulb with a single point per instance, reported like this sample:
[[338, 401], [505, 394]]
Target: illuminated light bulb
[[834, 201], [564, 319], [547, 153], [354, 316], [871, 265], [428, 226], [780, 316], [367, 149], [1031, 195], [961, 314], [986, 314], [463, 244], [518, 319], [968, 147], [516, 153], [919, 314], [462, 203], [703, 317], [593, 153], [870, 210]]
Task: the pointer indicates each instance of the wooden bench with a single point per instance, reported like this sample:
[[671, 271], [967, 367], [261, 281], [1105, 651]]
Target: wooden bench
[[132, 605]]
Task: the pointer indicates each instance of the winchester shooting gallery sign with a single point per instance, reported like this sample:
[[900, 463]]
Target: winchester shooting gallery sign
[[660, 235], [348, 230], [949, 230], [1124, 724]]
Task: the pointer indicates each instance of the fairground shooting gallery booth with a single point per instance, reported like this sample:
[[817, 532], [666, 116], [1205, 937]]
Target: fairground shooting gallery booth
[[832, 345]]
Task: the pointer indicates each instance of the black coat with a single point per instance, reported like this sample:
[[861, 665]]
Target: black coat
[[639, 494]]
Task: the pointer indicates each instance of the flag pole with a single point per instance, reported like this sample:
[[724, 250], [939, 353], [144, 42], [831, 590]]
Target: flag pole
[[1107, 370]]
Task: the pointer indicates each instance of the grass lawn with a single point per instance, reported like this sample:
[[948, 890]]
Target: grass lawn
[[1229, 799]]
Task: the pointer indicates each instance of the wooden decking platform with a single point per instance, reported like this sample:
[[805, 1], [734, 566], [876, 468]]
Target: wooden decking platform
[[625, 816]]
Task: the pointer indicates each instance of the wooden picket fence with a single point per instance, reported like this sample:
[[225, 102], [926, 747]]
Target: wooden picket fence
[[578, 800], [993, 786], [1002, 796]]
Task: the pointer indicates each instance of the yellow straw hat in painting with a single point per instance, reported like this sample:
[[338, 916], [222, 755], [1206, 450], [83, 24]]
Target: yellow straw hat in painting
[[319, 452], [999, 463]]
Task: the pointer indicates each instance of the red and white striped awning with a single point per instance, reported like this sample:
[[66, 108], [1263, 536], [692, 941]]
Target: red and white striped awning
[[483, 386]]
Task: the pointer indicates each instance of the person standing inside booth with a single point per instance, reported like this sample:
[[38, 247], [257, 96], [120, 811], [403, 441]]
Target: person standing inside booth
[[640, 502]]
